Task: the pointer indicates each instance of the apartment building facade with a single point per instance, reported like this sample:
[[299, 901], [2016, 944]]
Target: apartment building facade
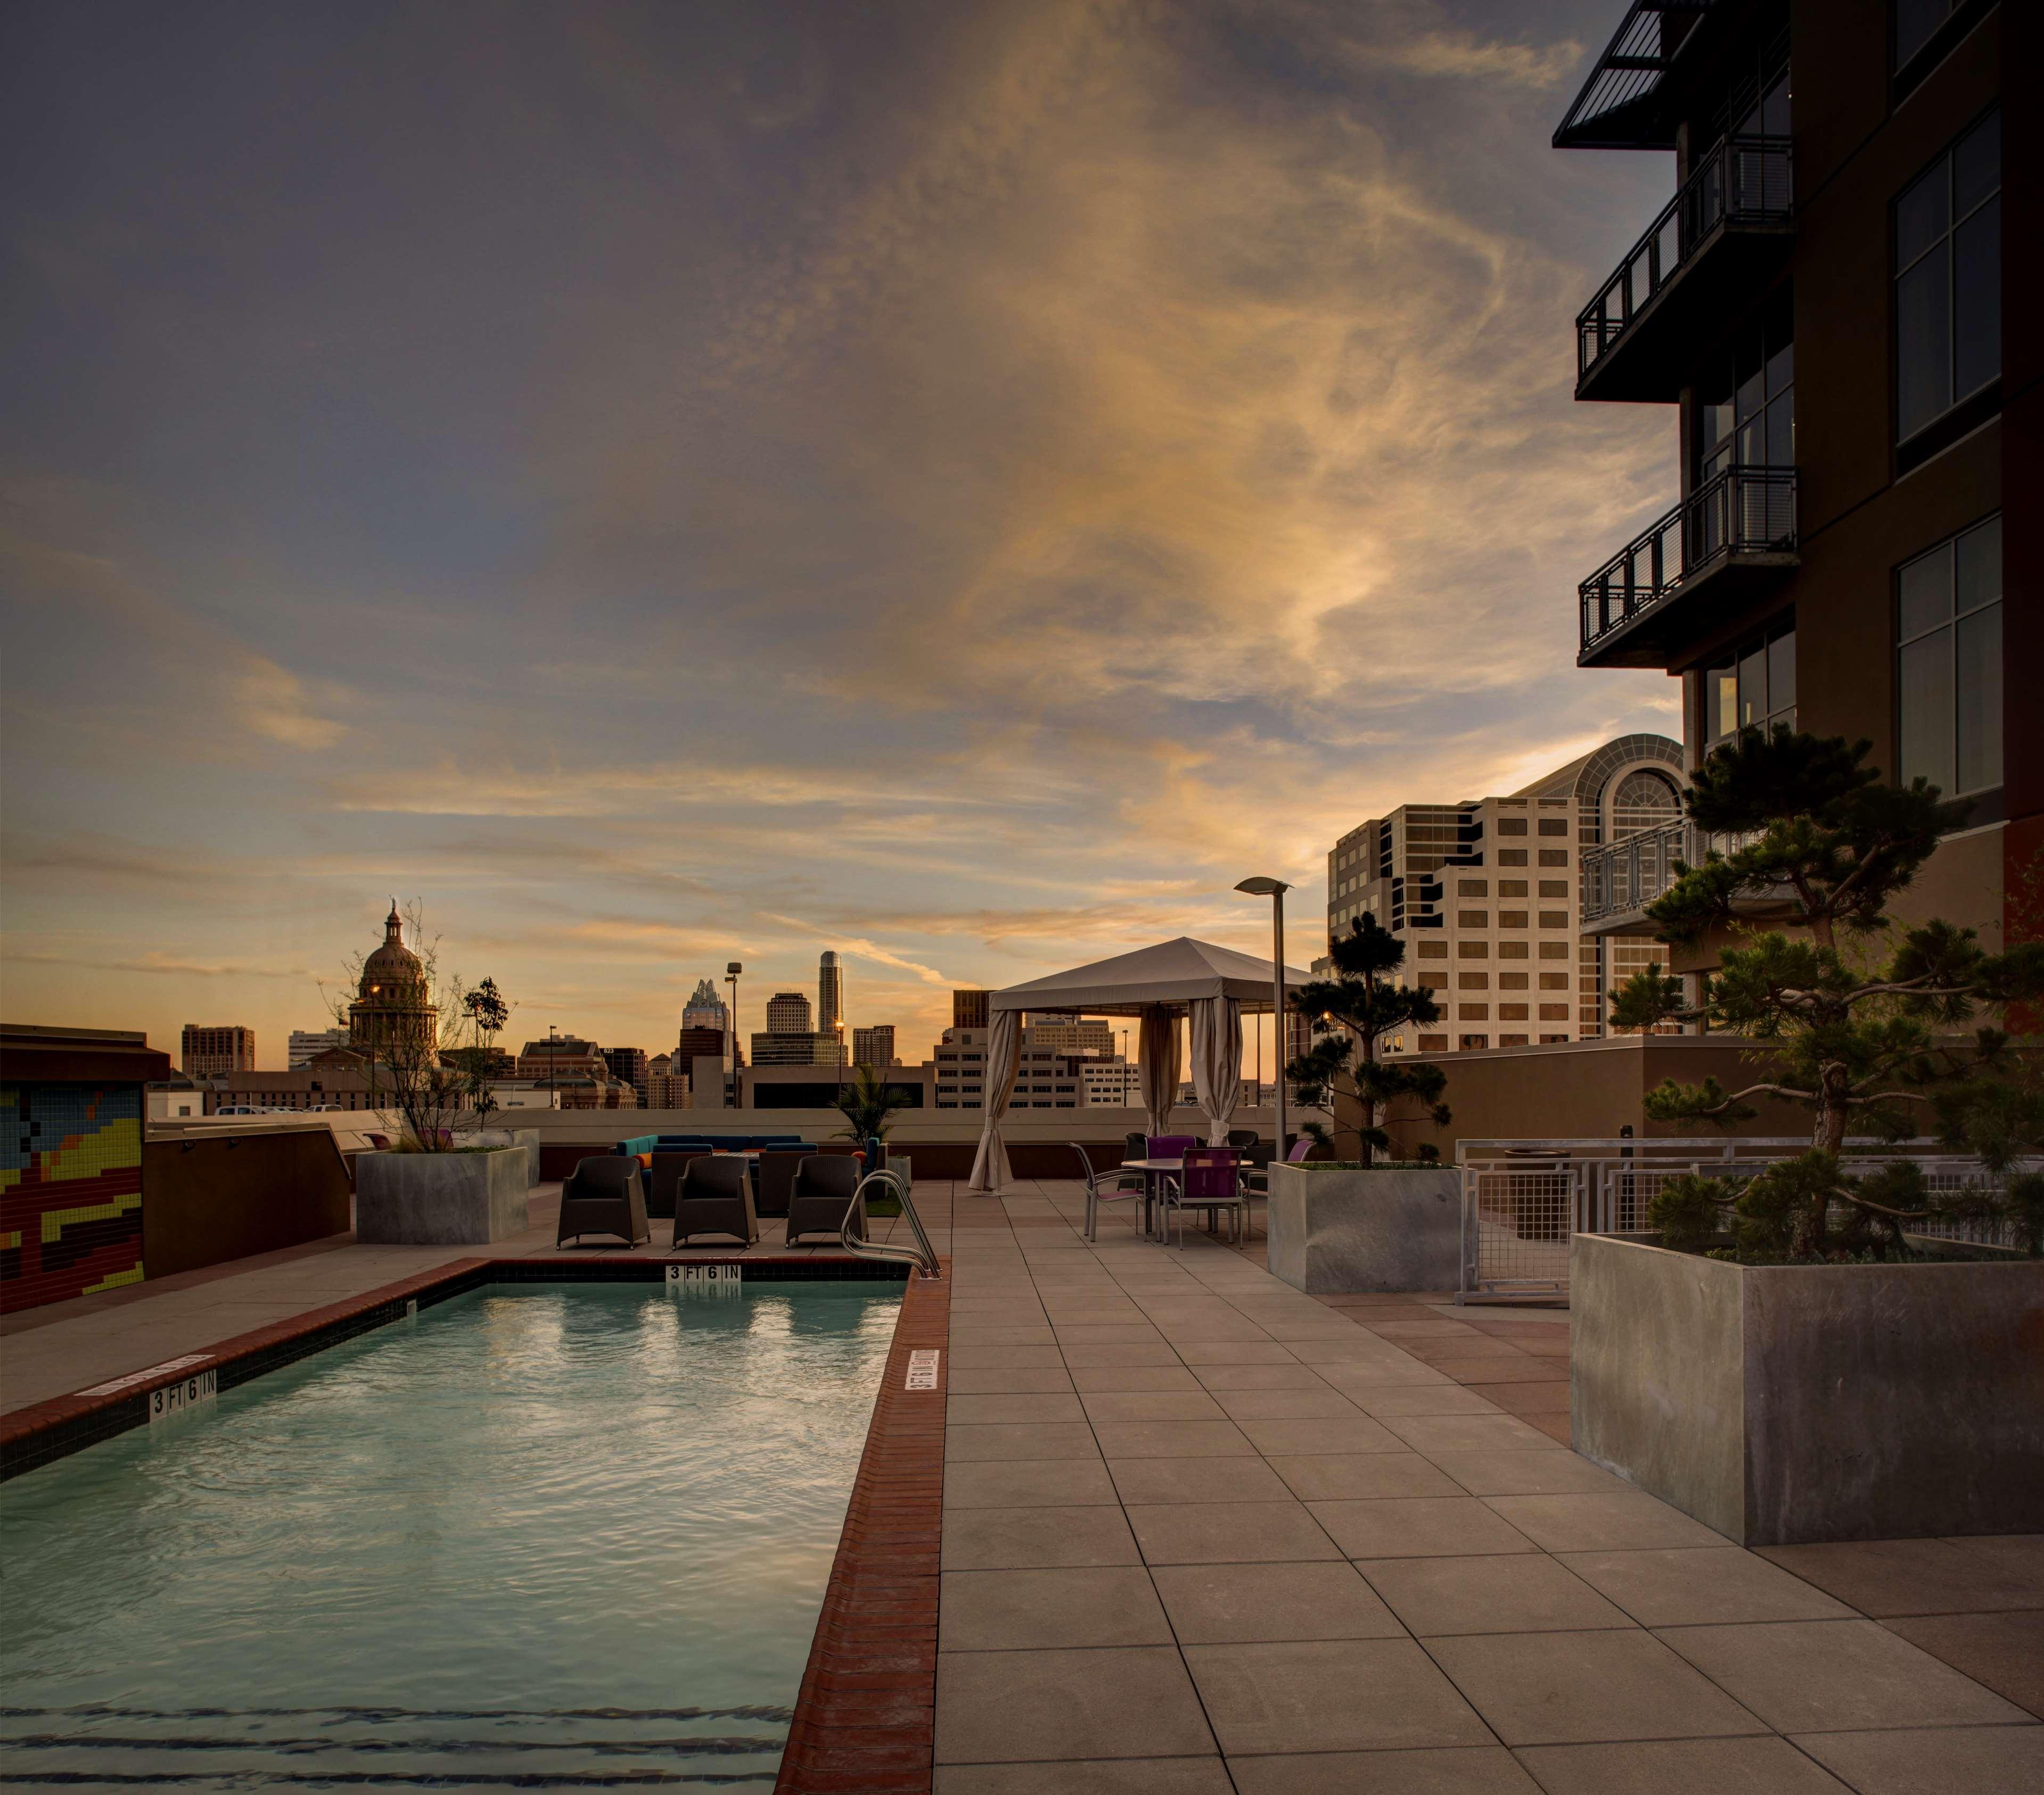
[[874, 1046], [1046, 1078], [1827, 304], [206, 1052], [1487, 894], [306, 1045]]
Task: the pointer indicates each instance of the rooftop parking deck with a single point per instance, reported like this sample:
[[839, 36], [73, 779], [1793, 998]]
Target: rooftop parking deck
[[1202, 1533]]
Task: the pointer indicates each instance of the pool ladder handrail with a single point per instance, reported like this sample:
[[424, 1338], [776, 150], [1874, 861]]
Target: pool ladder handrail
[[853, 1237]]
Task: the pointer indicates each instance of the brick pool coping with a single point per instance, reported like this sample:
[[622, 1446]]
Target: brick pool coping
[[866, 1717], [40, 1432]]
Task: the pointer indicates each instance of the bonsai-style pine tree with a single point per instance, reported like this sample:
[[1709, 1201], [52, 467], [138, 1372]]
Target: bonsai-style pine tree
[[1364, 1003], [1858, 1020]]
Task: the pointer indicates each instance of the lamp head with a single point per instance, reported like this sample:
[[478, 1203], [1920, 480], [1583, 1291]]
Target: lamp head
[[1261, 887], [733, 970]]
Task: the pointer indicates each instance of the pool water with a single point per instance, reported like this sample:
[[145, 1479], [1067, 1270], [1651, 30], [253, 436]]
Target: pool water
[[547, 1536]]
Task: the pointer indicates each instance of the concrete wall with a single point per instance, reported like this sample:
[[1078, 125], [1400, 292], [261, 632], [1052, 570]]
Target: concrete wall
[[213, 1199], [1585, 1088]]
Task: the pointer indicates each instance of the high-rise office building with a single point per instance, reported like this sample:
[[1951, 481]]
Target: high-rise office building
[[1853, 382], [873, 1046], [1486, 893], [628, 1064], [788, 1013], [208, 1051], [305, 1044], [830, 996], [796, 1047], [705, 1010], [969, 1009]]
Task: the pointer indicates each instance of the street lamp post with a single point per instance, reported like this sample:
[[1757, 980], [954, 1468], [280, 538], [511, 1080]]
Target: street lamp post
[[1275, 889], [731, 973]]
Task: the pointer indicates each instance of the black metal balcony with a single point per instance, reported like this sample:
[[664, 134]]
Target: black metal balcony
[[1716, 241], [1733, 536]]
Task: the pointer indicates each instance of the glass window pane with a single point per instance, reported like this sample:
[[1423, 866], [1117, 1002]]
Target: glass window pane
[[1976, 300], [1781, 431], [1976, 165], [1721, 702], [1979, 671], [1926, 592], [1914, 20], [1781, 670], [1753, 687], [1781, 367], [1774, 116], [1920, 215], [1923, 342], [1980, 567], [1926, 710], [1752, 394]]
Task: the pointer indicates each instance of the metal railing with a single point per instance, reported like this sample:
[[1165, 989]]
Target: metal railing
[[1739, 181], [1523, 1199], [1746, 509], [855, 1237], [1623, 877]]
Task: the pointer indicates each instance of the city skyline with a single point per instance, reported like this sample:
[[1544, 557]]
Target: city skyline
[[467, 566]]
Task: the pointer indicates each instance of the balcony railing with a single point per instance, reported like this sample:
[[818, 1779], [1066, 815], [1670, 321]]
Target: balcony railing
[[1748, 180], [1622, 878], [1744, 510]]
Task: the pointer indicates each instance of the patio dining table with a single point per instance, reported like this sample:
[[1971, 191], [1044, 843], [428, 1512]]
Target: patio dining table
[[1154, 1171]]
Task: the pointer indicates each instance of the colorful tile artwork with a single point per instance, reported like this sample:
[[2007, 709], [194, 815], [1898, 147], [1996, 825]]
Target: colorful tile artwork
[[70, 1191]]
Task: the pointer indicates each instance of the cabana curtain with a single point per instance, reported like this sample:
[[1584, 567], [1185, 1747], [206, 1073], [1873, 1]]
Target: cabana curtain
[[1216, 1032], [990, 1169], [1159, 1068]]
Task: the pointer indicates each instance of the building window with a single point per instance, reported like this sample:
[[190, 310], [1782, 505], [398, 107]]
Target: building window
[[1472, 919], [1513, 918], [1755, 687], [1512, 856], [1511, 1013], [1553, 856], [1512, 1040], [1512, 825], [1553, 825], [1947, 634], [1553, 981], [1918, 21], [1554, 950], [1472, 982], [1512, 888], [1433, 950], [1473, 888], [1512, 950], [1745, 415], [1511, 981], [1553, 918], [1433, 1043], [1472, 950], [1554, 1012], [1948, 279], [1474, 1043], [1554, 888]]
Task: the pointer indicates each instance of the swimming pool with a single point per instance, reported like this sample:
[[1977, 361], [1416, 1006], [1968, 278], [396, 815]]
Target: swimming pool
[[548, 1536]]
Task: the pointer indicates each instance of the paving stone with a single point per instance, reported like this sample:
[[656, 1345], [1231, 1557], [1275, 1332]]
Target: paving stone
[[1040, 1609], [964, 1409], [1045, 1439], [1228, 1533], [1171, 1439], [1196, 1480], [1354, 1433], [1152, 1406], [1885, 1577], [1011, 1707], [1552, 1689], [1468, 1769], [1362, 1476], [1442, 1398], [1126, 1776], [1030, 1538], [1760, 1765], [2005, 1652], [1630, 1522], [1694, 1587], [1516, 1594], [1807, 1676], [1090, 1378], [1432, 1434], [1322, 1404], [1026, 1483], [1329, 1695], [1935, 1761], [1232, 1604]]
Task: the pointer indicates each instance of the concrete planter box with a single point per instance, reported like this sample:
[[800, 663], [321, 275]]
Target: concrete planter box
[[441, 1199], [1780, 1404], [1346, 1231], [529, 1138]]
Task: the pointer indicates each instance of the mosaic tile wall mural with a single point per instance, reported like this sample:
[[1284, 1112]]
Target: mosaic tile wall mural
[[70, 1191]]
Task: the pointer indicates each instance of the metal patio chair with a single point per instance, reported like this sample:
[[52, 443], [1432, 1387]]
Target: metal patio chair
[[1107, 1187]]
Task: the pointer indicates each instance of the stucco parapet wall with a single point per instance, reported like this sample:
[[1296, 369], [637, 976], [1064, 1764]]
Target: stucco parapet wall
[[441, 1199], [1332, 1230], [1785, 1403]]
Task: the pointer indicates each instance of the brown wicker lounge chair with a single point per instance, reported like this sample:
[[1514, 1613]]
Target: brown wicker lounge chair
[[665, 1178], [715, 1197], [605, 1195], [822, 1192]]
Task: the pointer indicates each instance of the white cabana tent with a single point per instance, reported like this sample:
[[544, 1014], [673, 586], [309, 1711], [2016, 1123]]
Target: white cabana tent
[[1210, 985]]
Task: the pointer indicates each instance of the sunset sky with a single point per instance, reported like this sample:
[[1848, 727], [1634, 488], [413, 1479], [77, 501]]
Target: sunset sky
[[962, 484]]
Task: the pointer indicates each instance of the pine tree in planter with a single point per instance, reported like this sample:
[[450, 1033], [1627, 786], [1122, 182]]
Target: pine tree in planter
[[1861, 1020], [1363, 1003]]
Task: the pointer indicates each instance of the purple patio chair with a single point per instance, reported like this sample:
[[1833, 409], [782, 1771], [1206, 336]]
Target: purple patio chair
[[1212, 1181]]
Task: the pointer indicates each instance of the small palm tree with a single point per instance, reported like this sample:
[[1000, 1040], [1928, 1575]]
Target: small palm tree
[[868, 1106]]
